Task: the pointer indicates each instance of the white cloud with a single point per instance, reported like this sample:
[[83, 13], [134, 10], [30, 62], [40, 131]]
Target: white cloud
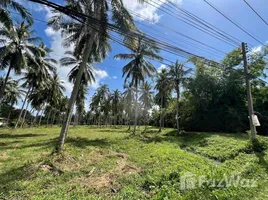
[[161, 67], [257, 49], [147, 10], [114, 77], [32, 6], [99, 75]]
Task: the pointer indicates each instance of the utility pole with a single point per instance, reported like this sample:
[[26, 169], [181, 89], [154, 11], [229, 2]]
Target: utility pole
[[249, 95]]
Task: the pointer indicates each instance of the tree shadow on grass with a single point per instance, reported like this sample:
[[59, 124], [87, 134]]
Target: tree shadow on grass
[[84, 142], [7, 135], [4, 144], [46, 144], [150, 131], [112, 130], [187, 139]]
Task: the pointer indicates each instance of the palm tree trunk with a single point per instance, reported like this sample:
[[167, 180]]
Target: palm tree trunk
[[48, 117], [68, 116], [36, 116], [53, 120], [161, 115], [2, 90], [40, 119], [146, 122], [136, 110], [9, 114], [32, 118], [76, 117], [177, 113], [25, 113], [22, 108]]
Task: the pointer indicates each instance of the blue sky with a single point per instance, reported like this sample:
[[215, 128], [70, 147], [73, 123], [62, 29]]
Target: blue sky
[[111, 69]]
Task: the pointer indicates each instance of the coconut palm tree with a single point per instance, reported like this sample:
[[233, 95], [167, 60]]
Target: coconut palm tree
[[37, 76], [146, 99], [87, 78], [128, 96], [12, 93], [18, 50], [80, 103], [90, 40], [6, 6], [116, 98], [163, 86], [177, 76], [101, 102], [89, 71], [138, 69]]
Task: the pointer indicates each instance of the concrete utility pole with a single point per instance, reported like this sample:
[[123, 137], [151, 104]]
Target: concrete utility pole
[[249, 95]]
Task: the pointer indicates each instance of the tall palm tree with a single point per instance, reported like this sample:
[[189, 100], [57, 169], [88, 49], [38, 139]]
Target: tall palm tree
[[18, 50], [128, 95], [71, 60], [37, 76], [101, 101], [177, 76], [6, 6], [80, 103], [146, 99], [12, 93], [163, 86], [87, 78], [116, 101], [138, 69], [89, 43]]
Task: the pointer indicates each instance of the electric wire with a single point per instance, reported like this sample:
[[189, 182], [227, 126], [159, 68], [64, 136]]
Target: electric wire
[[256, 12], [236, 24]]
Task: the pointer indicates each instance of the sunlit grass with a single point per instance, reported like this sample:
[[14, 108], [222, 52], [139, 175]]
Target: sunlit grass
[[103, 163]]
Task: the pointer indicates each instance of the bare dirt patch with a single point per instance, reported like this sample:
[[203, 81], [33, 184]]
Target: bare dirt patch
[[108, 179]]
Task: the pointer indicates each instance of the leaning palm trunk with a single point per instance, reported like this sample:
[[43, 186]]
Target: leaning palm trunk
[[25, 113], [2, 91], [161, 115], [8, 118], [68, 116], [22, 108], [136, 110]]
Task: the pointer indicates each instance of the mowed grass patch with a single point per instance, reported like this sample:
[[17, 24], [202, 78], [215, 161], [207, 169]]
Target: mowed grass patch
[[110, 163]]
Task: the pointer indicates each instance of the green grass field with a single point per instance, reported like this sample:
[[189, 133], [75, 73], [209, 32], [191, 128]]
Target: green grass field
[[109, 163]]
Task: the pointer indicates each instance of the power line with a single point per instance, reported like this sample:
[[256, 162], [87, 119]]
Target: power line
[[174, 31], [57, 55], [237, 25], [205, 23], [202, 23], [190, 23], [174, 41], [83, 18], [255, 12]]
